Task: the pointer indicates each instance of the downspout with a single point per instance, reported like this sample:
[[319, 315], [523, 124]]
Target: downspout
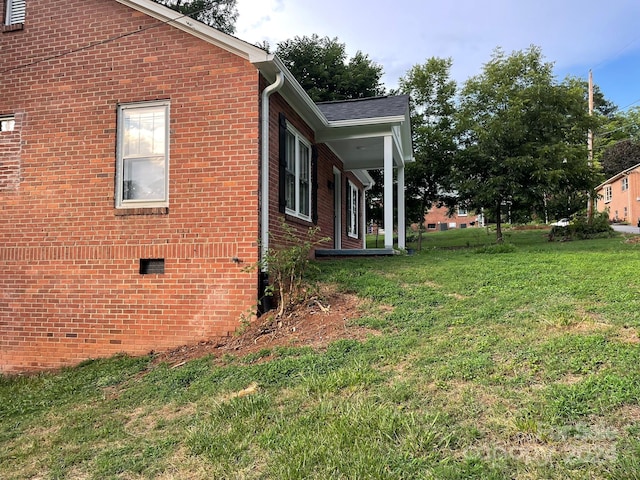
[[264, 186]]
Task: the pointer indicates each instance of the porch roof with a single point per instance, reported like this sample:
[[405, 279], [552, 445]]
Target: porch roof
[[356, 130]]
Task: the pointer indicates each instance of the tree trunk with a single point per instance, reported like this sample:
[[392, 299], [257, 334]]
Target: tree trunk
[[499, 238]]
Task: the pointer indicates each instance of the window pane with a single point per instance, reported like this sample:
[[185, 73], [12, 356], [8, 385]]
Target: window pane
[[304, 163], [305, 177], [290, 181], [304, 198], [291, 153], [290, 191], [144, 132], [144, 179]]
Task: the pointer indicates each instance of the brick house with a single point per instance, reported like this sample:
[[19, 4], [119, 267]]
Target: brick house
[[438, 219], [620, 196], [146, 160]]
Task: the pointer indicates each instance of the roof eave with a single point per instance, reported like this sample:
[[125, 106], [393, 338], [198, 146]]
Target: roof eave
[[293, 92], [198, 29], [618, 176], [360, 122]]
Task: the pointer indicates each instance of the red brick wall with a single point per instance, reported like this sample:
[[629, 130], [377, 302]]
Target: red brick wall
[[440, 216], [70, 286], [327, 160]]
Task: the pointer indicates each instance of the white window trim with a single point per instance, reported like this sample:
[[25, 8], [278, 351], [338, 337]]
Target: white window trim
[[7, 123], [15, 12], [119, 190], [607, 193], [299, 139], [462, 212], [354, 210], [625, 184]]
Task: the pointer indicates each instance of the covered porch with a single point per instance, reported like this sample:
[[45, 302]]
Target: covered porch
[[372, 134]]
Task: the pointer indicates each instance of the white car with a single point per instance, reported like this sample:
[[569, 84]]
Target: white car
[[563, 222]]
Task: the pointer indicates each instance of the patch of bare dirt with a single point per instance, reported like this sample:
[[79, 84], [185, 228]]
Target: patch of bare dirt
[[316, 324]]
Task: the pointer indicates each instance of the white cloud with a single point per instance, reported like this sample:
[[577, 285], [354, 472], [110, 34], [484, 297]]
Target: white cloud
[[575, 34]]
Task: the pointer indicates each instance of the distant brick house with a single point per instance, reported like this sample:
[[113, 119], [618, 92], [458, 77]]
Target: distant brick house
[[438, 219], [620, 196], [146, 160]]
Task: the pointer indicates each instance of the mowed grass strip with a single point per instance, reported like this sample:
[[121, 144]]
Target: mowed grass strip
[[493, 362]]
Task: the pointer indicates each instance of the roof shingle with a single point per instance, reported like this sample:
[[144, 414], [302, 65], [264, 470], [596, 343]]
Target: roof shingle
[[373, 107]]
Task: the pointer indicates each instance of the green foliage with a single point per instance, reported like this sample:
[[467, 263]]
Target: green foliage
[[321, 66], [288, 264], [582, 228], [621, 127], [522, 135], [521, 365], [220, 14], [619, 157], [499, 248], [432, 118]]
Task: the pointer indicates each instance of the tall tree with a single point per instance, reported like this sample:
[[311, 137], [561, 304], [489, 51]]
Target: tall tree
[[220, 14], [617, 141], [432, 117], [322, 67], [523, 134], [620, 156]]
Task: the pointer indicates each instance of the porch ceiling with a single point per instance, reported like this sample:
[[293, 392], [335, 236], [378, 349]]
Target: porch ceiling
[[360, 153]]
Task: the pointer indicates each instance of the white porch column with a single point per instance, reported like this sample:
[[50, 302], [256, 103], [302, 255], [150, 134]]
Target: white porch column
[[388, 191], [402, 227], [363, 209]]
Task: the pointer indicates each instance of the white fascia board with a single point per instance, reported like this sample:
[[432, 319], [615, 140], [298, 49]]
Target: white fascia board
[[198, 29], [364, 177], [353, 133], [360, 122]]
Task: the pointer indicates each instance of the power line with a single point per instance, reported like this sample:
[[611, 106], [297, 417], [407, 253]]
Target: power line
[[610, 59]]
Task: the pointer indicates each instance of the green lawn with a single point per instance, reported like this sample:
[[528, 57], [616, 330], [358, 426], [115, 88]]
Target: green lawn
[[520, 362]]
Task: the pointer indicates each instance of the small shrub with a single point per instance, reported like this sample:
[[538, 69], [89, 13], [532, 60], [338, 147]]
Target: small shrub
[[580, 228], [288, 265]]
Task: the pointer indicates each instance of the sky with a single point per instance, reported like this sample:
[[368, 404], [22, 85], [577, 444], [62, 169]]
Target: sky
[[576, 35]]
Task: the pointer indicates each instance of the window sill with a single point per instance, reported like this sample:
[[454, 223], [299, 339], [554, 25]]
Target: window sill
[[293, 215], [12, 28], [124, 212]]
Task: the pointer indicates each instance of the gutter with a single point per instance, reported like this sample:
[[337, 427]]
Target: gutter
[[264, 181]]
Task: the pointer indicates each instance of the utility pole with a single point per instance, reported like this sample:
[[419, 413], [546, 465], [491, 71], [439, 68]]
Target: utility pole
[[590, 149]]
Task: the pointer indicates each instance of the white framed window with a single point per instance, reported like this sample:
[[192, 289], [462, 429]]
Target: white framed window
[[7, 124], [607, 193], [142, 175], [353, 204], [297, 175], [15, 11], [625, 184], [462, 212]]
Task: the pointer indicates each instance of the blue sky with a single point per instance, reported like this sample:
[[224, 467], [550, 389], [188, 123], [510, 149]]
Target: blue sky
[[576, 35]]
